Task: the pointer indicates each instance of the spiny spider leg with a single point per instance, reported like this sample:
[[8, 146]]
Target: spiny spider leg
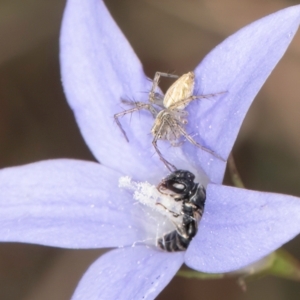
[[139, 106], [152, 94], [169, 166], [193, 142], [192, 98], [142, 105]]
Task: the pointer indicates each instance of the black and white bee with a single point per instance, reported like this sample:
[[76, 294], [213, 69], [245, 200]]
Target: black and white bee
[[180, 186]]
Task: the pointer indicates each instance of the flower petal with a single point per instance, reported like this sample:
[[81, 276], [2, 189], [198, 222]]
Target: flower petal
[[66, 203], [99, 68], [240, 65], [241, 226], [129, 273]]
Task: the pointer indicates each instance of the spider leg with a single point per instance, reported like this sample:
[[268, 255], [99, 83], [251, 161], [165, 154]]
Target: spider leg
[[138, 106], [169, 166], [129, 102], [193, 142], [186, 101], [153, 96]]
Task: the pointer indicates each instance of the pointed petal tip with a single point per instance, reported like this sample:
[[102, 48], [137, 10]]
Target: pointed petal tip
[[240, 227]]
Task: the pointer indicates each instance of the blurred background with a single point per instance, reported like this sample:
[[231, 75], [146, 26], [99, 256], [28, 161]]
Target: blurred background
[[171, 35]]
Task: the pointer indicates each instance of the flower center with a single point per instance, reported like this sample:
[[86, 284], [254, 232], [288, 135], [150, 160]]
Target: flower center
[[176, 206]]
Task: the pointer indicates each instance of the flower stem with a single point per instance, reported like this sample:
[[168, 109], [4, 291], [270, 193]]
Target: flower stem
[[235, 176]]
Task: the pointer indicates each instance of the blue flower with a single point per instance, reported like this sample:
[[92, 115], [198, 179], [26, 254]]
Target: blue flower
[[78, 204]]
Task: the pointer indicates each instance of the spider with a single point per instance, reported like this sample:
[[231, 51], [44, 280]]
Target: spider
[[168, 112]]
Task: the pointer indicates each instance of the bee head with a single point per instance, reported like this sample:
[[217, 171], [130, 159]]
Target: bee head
[[179, 182]]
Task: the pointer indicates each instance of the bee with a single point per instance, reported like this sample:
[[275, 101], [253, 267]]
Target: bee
[[168, 111], [180, 186]]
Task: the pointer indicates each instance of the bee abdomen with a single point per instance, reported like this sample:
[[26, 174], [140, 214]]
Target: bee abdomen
[[173, 242]]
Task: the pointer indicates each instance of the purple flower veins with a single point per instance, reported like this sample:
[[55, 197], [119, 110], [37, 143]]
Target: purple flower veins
[[79, 204]]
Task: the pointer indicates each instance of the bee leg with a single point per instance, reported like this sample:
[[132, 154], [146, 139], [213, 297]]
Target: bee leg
[[176, 215]]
